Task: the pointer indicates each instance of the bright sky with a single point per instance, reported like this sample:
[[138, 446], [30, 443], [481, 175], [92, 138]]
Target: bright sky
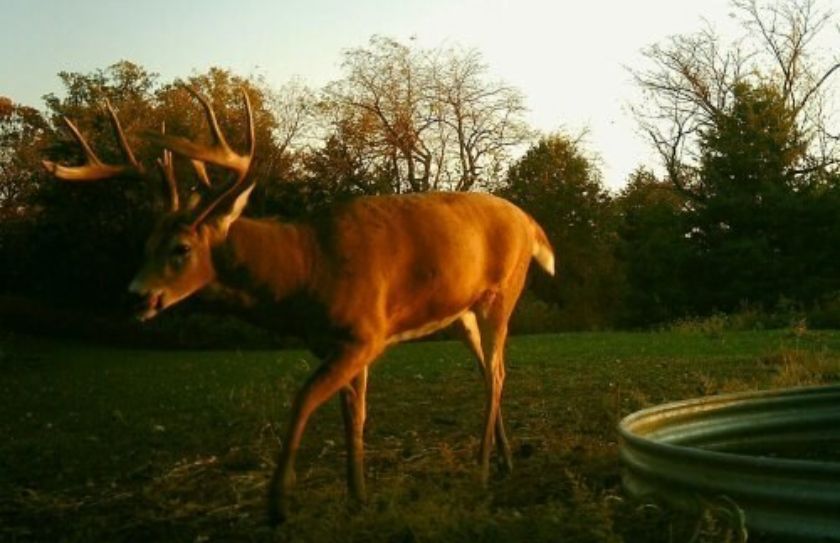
[[568, 58]]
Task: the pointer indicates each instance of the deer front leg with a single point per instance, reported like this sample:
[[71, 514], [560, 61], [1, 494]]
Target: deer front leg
[[353, 409], [328, 379]]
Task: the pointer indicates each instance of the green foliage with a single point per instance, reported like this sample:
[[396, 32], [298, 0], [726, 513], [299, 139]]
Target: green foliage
[[751, 219], [535, 316], [784, 315], [760, 230], [746, 201], [755, 228], [744, 132], [96, 230], [753, 146], [561, 188], [23, 134], [652, 248], [826, 312]]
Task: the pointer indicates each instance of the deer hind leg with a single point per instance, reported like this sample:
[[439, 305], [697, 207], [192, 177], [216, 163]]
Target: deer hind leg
[[491, 317], [334, 374], [472, 337], [353, 410]]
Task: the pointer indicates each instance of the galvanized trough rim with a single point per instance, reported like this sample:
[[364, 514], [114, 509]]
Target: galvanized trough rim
[[689, 451]]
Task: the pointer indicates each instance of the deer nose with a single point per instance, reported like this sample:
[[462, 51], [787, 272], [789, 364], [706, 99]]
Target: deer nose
[[139, 295], [136, 287], [136, 300]]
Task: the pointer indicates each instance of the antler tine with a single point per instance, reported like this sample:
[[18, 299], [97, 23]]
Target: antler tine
[[165, 165], [168, 171], [220, 153], [238, 186], [92, 170], [201, 172], [217, 134], [215, 130], [249, 112], [120, 135], [90, 156]]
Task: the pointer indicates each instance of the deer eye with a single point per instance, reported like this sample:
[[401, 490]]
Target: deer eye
[[181, 250]]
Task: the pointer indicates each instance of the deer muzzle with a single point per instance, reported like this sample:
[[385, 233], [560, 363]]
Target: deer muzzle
[[147, 302]]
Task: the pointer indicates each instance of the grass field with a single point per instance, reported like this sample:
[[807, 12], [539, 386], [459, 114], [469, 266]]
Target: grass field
[[102, 444]]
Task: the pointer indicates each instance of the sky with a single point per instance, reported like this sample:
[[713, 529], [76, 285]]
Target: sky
[[569, 59]]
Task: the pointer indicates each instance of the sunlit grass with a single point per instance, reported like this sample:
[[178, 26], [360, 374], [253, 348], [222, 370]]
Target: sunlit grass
[[118, 445]]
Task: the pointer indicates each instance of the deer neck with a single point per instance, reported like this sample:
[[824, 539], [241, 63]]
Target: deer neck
[[264, 260]]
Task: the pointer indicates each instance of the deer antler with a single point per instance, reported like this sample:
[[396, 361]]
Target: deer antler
[[94, 169], [219, 153], [120, 135], [167, 170], [201, 172]]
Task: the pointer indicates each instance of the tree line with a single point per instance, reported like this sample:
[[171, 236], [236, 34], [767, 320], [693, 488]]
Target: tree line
[[742, 209]]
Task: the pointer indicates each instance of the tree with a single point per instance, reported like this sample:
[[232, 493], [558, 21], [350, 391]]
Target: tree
[[23, 134], [130, 89], [485, 119], [561, 187], [753, 231], [426, 119], [655, 256], [294, 107], [691, 80], [95, 230], [274, 161], [381, 108], [744, 136], [113, 218], [23, 131]]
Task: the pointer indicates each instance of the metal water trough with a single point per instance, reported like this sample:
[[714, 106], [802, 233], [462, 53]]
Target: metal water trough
[[776, 454]]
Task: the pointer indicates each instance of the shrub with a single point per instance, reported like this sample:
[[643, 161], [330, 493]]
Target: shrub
[[535, 316], [826, 313]]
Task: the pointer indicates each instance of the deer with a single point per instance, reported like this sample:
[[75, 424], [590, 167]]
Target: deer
[[351, 281]]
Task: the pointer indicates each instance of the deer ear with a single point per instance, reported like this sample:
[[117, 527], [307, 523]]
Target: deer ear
[[226, 212]]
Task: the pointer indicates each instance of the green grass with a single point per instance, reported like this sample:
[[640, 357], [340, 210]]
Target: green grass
[[104, 444]]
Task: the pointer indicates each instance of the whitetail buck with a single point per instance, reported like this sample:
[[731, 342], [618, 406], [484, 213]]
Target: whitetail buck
[[368, 274]]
